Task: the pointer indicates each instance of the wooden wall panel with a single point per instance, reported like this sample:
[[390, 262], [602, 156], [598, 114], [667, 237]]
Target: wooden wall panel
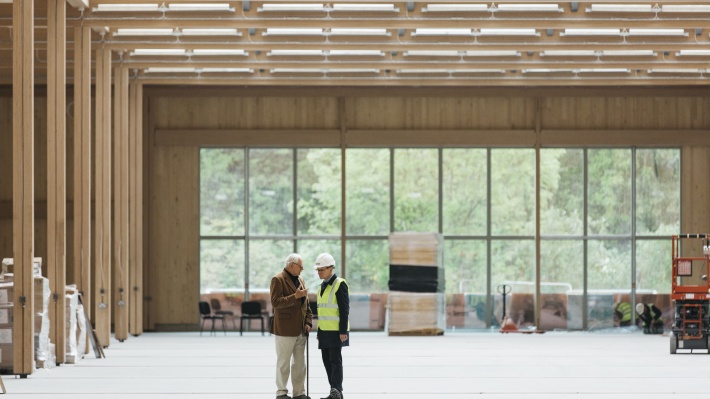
[[174, 236], [625, 113], [246, 112], [695, 175], [439, 113]]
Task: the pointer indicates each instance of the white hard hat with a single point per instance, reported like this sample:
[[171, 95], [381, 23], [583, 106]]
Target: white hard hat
[[639, 308], [323, 260]]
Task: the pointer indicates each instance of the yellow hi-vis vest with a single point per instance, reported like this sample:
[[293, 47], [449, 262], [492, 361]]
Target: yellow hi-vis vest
[[328, 312]]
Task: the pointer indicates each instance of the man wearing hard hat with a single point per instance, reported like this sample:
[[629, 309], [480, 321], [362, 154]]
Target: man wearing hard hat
[[333, 325]]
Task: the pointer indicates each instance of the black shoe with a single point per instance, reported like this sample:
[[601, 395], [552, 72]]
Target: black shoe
[[301, 397], [283, 397]]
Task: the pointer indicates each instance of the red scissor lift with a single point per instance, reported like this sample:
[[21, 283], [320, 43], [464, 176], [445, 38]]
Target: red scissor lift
[[691, 293]]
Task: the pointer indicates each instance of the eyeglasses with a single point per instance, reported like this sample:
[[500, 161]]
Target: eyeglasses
[[298, 264]]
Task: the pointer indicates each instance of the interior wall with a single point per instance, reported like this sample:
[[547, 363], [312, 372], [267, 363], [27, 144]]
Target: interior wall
[[407, 118]]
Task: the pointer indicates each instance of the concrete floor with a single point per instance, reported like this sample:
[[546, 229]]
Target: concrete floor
[[456, 365]]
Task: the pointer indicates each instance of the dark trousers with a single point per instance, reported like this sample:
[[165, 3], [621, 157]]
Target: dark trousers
[[333, 362]]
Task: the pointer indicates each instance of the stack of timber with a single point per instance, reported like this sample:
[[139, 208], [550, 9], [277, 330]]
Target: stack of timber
[[416, 303]]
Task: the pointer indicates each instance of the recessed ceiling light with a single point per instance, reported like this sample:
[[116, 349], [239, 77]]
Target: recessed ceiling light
[[591, 32], [568, 53], [621, 8], [363, 7], [285, 7], [508, 32], [210, 32], [225, 51], [137, 7], [529, 7], [158, 51], [293, 32], [443, 32], [143, 32], [358, 32], [296, 52], [199, 7]]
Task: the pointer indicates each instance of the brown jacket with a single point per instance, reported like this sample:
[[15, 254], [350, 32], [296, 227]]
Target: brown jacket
[[290, 315]]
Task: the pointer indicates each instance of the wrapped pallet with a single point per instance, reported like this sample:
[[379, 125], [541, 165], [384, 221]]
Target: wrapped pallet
[[416, 262], [42, 293], [6, 351], [410, 313], [71, 301]]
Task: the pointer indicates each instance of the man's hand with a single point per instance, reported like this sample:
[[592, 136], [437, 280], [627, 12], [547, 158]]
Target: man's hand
[[343, 337], [307, 328], [301, 291]]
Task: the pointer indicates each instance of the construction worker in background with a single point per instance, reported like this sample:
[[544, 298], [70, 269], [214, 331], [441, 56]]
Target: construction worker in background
[[650, 315], [333, 325], [622, 313]]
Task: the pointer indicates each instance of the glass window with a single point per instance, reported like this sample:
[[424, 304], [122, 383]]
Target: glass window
[[221, 265], [513, 264], [465, 264], [562, 191], [368, 265], [367, 194], [266, 258], [653, 265], [222, 192], [271, 192], [609, 191], [609, 265], [465, 193], [319, 188], [513, 192], [561, 265], [657, 191], [416, 190]]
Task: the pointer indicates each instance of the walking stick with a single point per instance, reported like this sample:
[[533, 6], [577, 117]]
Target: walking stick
[[308, 371]]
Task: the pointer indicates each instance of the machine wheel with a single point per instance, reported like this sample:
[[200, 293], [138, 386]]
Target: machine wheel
[[674, 343]]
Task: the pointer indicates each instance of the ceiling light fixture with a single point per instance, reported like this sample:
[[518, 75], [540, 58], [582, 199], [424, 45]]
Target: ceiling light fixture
[[159, 51], [442, 32], [218, 51], [676, 71], [364, 7], [295, 53], [657, 32], [227, 70], [508, 32], [293, 32], [358, 32], [492, 53], [170, 70], [591, 32], [143, 32], [603, 70], [375, 53], [287, 7], [210, 32], [432, 53], [200, 7], [621, 8], [693, 53], [529, 7], [137, 7], [686, 8], [568, 53], [629, 53], [456, 8]]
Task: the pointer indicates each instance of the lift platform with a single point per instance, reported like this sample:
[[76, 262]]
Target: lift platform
[[691, 293]]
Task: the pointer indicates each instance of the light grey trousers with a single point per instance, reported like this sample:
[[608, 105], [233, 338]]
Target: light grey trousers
[[290, 360]]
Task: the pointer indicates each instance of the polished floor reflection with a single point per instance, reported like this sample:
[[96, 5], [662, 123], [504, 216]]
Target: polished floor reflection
[[456, 365]]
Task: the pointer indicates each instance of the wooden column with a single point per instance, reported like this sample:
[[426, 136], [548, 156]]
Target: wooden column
[[120, 204], [23, 184], [82, 164], [135, 166], [102, 271], [56, 173]]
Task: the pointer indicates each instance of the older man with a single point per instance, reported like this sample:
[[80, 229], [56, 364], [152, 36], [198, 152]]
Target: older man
[[292, 323]]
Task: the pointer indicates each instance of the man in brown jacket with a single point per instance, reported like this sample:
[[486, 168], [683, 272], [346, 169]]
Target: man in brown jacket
[[292, 323]]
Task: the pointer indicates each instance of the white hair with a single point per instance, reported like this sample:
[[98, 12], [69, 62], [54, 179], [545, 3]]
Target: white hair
[[293, 258]]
